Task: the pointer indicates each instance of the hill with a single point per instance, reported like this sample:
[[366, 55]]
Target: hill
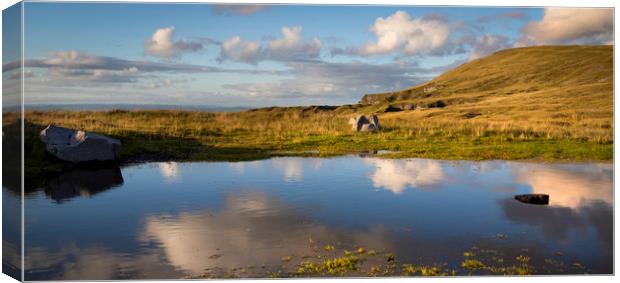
[[515, 71], [553, 92]]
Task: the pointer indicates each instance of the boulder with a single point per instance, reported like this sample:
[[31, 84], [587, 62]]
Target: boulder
[[374, 120], [367, 128], [533, 198], [364, 123], [78, 146]]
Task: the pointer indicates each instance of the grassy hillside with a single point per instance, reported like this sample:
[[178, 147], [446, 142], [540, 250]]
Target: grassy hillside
[[515, 71], [560, 92], [542, 103]]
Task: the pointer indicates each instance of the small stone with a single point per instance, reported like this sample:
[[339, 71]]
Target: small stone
[[541, 199]]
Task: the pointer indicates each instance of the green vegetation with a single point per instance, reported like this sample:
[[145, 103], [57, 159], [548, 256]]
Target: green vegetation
[[541, 103], [336, 261]]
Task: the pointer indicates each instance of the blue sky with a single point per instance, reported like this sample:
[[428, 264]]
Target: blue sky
[[200, 54]]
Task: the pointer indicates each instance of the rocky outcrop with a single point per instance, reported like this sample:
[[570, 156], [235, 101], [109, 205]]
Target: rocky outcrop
[[397, 107], [437, 104], [364, 123], [370, 99], [78, 146]]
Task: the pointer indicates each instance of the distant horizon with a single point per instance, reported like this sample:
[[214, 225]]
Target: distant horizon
[[254, 56]]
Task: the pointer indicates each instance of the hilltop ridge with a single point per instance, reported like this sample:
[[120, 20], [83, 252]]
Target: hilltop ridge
[[514, 71]]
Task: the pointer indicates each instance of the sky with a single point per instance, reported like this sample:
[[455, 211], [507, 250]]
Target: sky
[[268, 55]]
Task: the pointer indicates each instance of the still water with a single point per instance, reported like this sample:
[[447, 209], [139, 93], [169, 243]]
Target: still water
[[174, 220]]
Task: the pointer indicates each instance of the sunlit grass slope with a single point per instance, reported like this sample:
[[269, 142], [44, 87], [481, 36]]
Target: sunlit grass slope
[[548, 92]]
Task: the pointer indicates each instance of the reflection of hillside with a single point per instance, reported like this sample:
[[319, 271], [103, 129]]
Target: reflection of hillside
[[397, 175], [83, 182], [569, 188], [252, 229]]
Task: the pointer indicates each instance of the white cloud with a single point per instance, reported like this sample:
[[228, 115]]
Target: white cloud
[[401, 33], [73, 58], [488, 44], [67, 75], [289, 47], [292, 46], [161, 44], [570, 25], [239, 50]]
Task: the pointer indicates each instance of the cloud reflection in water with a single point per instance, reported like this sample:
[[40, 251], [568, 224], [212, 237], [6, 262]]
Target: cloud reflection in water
[[396, 175]]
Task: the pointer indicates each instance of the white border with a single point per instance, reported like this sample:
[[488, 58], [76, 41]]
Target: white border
[[505, 3]]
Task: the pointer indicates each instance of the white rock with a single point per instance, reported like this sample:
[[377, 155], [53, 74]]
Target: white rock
[[78, 146]]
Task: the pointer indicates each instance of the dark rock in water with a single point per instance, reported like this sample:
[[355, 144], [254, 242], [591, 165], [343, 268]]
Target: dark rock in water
[[78, 146], [533, 198]]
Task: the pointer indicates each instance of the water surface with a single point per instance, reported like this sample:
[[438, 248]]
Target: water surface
[[172, 220]]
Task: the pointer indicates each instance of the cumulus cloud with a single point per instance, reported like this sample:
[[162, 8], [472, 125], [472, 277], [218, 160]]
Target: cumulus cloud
[[239, 50], [290, 47], [488, 44], [161, 44], [570, 25], [402, 33], [238, 10]]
